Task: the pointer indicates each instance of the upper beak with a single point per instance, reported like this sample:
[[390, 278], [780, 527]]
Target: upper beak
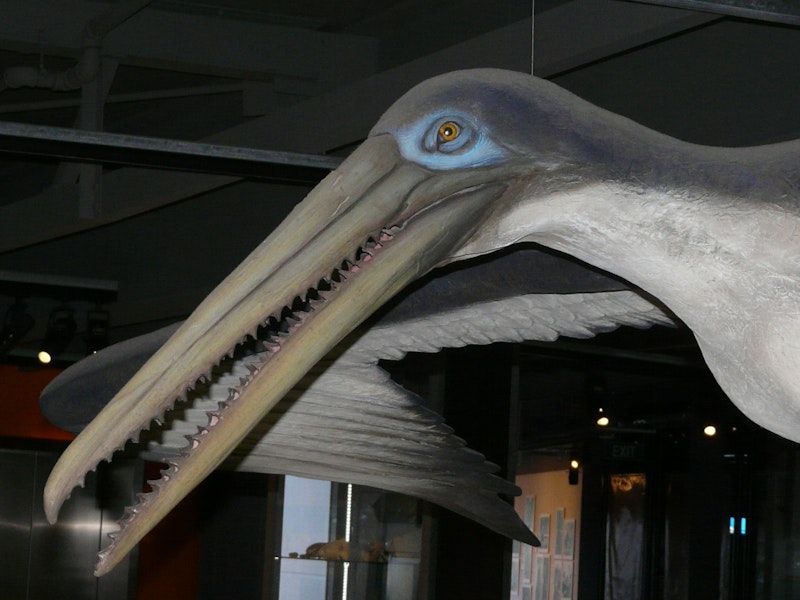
[[390, 220]]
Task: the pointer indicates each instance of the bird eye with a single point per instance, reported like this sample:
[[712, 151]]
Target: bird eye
[[448, 131], [449, 135]]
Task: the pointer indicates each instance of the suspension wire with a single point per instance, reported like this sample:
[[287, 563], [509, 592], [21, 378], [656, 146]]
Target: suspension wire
[[533, 31]]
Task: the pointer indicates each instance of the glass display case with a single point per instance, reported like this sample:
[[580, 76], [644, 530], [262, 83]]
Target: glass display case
[[342, 541]]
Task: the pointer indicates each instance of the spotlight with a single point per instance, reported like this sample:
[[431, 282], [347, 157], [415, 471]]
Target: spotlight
[[60, 330], [97, 326], [602, 418], [710, 430], [574, 469], [16, 325]]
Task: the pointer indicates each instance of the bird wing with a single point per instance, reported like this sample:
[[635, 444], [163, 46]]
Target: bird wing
[[79, 393], [348, 421], [543, 317]]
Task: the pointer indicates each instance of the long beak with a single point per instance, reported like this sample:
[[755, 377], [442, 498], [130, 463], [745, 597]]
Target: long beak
[[388, 220]]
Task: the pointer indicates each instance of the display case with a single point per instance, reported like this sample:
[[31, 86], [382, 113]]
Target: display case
[[346, 541]]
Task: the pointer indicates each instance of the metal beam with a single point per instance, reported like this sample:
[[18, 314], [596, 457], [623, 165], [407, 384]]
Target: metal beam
[[113, 148], [22, 285], [775, 11]]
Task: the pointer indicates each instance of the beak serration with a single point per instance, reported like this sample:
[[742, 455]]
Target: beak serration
[[227, 426]]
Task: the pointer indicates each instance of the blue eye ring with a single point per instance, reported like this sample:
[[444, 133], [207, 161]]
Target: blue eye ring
[[447, 140]]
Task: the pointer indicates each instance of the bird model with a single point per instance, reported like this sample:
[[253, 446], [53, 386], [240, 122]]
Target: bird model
[[463, 165]]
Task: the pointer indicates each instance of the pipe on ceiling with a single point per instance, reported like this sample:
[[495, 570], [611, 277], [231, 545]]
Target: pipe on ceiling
[[87, 67]]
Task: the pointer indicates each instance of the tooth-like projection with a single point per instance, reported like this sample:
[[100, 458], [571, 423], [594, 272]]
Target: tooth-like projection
[[226, 420]]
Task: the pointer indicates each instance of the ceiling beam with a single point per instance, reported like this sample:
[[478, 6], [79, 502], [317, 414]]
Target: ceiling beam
[[775, 11], [133, 150], [194, 43], [22, 285], [345, 115]]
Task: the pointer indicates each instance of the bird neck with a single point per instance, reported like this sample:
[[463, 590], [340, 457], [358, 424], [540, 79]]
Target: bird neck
[[688, 224]]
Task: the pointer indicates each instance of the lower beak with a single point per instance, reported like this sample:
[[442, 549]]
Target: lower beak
[[387, 220]]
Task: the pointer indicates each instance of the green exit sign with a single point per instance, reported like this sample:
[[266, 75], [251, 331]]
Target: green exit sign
[[625, 451]]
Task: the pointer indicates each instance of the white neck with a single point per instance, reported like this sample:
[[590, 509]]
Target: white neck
[[696, 239]]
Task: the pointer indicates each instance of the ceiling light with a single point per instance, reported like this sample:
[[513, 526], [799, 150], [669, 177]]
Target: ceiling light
[[710, 430], [602, 418], [574, 470]]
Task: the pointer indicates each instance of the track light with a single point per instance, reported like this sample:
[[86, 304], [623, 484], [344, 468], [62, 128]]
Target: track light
[[574, 470], [16, 325], [60, 330], [97, 326]]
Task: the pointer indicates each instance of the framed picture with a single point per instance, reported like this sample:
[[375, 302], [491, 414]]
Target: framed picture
[[568, 543], [544, 533], [562, 579], [515, 551], [528, 511], [558, 542], [525, 558], [541, 589], [526, 593]]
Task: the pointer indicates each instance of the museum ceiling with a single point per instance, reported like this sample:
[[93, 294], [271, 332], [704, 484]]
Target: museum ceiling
[[311, 77]]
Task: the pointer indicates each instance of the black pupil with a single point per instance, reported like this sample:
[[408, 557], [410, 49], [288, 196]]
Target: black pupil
[[448, 132]]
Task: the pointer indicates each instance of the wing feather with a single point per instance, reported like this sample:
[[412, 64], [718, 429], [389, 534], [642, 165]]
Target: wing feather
[[348, 421]]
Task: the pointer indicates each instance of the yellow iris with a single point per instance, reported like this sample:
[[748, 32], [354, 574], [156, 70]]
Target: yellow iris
[[448, 131]]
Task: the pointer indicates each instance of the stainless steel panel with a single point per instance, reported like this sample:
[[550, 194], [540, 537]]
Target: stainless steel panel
[[61, 564], [38, 560], [115, 148], [118, 484], [16, 503]]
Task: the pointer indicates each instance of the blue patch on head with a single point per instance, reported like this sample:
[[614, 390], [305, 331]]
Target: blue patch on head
[[447, 140]]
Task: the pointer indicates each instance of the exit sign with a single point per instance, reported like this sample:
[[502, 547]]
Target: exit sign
[[625, 451]]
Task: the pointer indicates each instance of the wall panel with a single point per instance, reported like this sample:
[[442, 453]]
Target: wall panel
[[38, 560]]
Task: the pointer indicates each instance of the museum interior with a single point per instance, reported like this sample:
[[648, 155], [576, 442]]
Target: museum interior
[[148, 146]]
